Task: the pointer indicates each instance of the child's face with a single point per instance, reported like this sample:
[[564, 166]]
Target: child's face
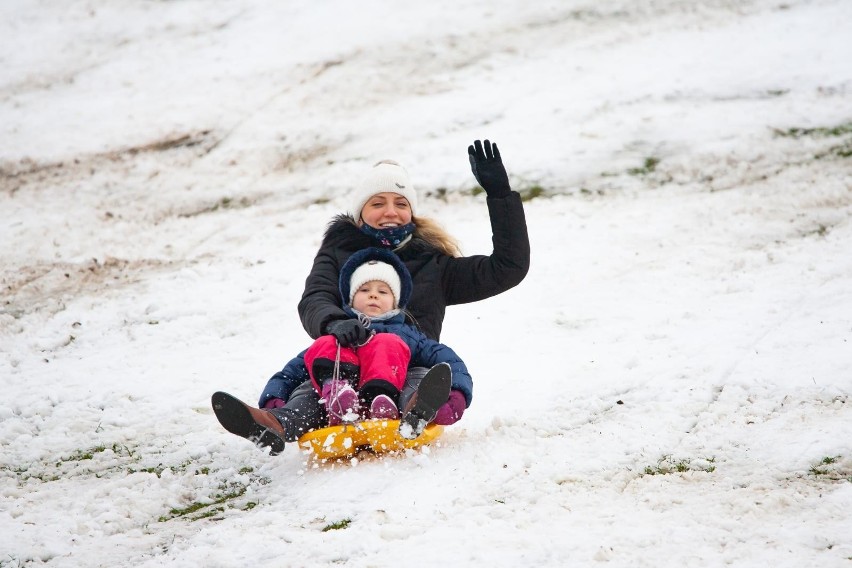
[[373, 298]]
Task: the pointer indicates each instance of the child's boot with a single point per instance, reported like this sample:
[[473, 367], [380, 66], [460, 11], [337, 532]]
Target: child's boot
[[341, 402], [383, 408]]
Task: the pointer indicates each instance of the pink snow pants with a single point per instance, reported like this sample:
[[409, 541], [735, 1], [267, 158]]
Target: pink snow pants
[[384, 357]]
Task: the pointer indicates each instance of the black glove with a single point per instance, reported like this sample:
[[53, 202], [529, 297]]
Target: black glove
[[348, 332], [487, 168]]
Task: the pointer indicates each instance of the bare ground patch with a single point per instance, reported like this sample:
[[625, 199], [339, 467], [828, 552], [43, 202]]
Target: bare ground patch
[[15, 176], [46, 286]]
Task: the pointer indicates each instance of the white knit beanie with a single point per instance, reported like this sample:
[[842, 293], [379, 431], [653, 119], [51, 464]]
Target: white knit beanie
[[375, 270], [385, 176]]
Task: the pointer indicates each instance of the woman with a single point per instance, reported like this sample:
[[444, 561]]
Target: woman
[[382, 213]]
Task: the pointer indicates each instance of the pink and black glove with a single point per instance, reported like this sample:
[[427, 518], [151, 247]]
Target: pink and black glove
[[452, 410], [273, 403]]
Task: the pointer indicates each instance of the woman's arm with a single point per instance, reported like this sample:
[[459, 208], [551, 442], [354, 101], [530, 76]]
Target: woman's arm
[[321, 303], [478, 277]]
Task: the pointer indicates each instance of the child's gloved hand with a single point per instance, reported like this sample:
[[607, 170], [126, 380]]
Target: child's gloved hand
[[348, 332], [452, 410], [273, 403], [488, 169]]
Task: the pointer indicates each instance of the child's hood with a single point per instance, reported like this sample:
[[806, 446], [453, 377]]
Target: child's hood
[[383, 255]]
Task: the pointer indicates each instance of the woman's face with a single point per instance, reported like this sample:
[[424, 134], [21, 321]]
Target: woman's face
[[385, 210]]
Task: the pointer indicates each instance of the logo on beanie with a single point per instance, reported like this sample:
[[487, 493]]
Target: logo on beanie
[[400, 186]]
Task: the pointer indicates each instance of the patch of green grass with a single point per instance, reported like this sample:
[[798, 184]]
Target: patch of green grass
[[777, 92], [821, 467], [53, 471], [527, 193], [818, 132], [177, 469], [648, 167], [184, 511], [23, 474], [667, 465], [81, 455], [531, 193], [208, 513], [88, 454], [156, 470], [228, 492], [338, 525], [840, 151], [820, 231]]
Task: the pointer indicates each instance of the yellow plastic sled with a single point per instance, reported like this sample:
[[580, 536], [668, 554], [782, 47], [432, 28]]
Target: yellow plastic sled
[[379, 436]]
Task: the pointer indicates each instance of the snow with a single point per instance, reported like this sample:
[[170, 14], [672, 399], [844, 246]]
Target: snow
[[668, 387]]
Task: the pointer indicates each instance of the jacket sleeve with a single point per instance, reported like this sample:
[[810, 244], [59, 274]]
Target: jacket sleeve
[[474, 278], [282, 383], [321, 301], [428, 353]]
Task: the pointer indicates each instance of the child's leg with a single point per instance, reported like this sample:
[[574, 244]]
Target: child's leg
[[384, 363], [384, 359], [319, 360], [341, 400]]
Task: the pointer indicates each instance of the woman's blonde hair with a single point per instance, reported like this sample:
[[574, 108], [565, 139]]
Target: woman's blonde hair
[[431, 232]]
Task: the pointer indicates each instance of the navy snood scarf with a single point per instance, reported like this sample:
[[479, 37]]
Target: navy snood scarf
[[390, 237]]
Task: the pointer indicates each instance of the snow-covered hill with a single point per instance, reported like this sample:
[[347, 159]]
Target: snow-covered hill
[[668, 387]]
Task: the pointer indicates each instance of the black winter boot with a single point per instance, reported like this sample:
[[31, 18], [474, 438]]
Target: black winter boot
[[255, 424]]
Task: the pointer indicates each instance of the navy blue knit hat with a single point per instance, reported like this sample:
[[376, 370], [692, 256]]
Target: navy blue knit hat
[[402, 293]]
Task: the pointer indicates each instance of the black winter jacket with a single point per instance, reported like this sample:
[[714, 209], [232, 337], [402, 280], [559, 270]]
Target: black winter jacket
[[439, 280]]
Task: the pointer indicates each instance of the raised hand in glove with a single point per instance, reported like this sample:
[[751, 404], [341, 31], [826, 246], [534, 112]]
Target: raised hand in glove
[[348, 332], [487, 168], [451, 411]]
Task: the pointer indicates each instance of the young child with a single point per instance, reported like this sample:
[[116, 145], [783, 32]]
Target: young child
[[365, 381]]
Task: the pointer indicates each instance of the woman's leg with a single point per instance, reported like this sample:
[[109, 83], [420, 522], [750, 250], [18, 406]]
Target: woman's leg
[[302, 413], [412, 382]]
